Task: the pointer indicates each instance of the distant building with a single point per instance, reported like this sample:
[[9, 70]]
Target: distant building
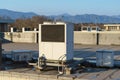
[[95, 28], [112, 27], [90, 28], [85, 28], [4, 25]]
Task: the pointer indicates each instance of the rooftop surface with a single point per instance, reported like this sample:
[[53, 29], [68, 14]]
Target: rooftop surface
[[81, 51]]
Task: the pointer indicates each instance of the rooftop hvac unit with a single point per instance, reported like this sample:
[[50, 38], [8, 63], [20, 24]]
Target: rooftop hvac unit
[[56, 40], [56, 47], [21, 55], [105, 58]]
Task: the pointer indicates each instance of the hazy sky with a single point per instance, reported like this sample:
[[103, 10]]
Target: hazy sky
[[55, 7]]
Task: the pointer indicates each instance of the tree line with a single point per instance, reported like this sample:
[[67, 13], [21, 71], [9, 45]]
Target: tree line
[[36, 20], [29, 22]]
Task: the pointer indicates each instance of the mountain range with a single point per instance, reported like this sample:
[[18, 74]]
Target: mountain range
[[85, 18], [15, 15]]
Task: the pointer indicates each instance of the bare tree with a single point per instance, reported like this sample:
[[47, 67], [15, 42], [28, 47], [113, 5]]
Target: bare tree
[[30, 22]]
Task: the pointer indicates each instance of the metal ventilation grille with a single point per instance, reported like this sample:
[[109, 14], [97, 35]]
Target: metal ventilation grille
[[52, 33]]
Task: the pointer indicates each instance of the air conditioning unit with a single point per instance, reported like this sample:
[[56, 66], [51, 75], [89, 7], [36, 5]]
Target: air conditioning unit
[[105, 58], [21, 55], [56, 40]]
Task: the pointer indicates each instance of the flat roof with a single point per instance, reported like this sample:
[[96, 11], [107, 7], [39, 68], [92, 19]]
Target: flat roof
[[7, 21], [88, 74], [82, 51]]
